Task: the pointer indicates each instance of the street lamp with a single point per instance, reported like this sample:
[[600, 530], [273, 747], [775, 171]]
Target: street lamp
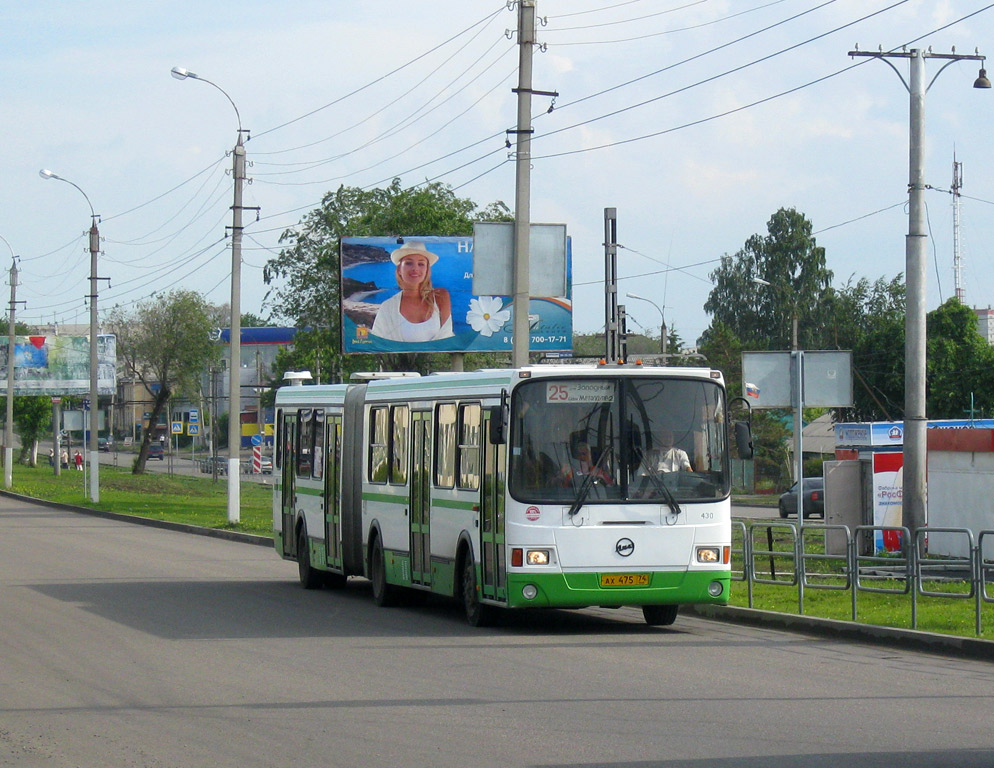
[[8, 432], [92, 419], [235, 340], [915, 420], [662, 323]]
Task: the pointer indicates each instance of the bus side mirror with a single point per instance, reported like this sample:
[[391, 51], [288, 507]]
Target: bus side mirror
[[743, 439], [497, 428]]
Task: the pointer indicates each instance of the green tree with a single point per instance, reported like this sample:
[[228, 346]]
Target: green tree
[[868, 318], [304, 277], [32, 422], [165, 343], [959, 363], [798, 289]]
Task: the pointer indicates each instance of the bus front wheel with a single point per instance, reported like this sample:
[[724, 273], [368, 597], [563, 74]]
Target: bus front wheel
[[477, 614], [659, 615], [310, 578]]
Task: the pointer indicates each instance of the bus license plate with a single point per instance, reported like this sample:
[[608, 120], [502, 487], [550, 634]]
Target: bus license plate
[[624, 579]]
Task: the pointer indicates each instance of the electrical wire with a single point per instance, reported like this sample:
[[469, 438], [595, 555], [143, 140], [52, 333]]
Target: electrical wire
[[379, 79], [712, 78], [675, 30], [634, 18]]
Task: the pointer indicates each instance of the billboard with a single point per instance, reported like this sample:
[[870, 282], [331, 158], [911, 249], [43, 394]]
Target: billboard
[[415, 294], [59, 365]]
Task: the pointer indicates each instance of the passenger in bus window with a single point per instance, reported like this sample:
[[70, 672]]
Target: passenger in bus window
[[582, 464], [420, 312]]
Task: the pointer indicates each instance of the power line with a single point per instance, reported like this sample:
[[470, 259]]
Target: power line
[[379, 79]]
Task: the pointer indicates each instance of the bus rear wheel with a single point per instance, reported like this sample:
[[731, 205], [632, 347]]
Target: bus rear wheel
[[477, 614], [310, 578], [659, 615], [384, 594]]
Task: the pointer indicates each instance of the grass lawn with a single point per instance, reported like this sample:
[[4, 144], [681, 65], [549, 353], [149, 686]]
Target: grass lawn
[[178, 498]]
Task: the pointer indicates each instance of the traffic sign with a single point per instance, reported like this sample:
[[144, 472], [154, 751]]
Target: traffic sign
[[177, 427], [194, 416], [256, 439], [193, 428], [85, 402]]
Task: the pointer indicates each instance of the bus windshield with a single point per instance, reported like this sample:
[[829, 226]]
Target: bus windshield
[[653, 440]]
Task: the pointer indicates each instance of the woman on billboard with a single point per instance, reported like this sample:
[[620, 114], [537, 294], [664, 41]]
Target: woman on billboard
[[419, 312]]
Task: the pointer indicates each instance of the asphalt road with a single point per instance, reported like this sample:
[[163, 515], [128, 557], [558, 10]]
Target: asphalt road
[[126, 645]]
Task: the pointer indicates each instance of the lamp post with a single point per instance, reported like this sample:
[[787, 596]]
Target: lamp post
[[235, 340], [662, 323], [92, 419], [8, 432], [915, 420]]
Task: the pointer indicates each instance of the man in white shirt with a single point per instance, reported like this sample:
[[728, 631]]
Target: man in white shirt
[[668, 458]]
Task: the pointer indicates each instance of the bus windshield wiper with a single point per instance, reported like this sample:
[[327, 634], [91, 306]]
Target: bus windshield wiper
[[657, 480], [588, 482]]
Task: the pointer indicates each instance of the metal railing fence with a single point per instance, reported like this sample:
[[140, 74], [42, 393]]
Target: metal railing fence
[[835, 557]]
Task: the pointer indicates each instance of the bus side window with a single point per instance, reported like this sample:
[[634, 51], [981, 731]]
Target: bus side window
[[378, 453], [445, 445], [278, 440], [398, 444], [305, 439], [468, 455], [317, 430]]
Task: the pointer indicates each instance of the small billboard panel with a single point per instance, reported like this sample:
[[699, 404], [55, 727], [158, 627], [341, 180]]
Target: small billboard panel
[[766, 379], [59, 365], [415, 294]]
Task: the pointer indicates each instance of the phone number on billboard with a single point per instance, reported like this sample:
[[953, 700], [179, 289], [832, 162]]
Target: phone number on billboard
[[542, 339]]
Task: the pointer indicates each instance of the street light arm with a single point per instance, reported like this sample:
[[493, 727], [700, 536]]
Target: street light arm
[[47, 174], [182, 74]]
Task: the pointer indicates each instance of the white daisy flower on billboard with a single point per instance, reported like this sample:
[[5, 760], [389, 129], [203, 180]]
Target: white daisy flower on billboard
[[486, 315]]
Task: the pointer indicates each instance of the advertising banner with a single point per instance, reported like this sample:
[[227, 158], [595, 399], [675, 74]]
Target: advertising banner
[[59, 365], [415, 294], [888, 487]]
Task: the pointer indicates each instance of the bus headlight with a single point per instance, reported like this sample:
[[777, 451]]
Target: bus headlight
[[529, 591], [708, 555], [715, 588], [537, 557]]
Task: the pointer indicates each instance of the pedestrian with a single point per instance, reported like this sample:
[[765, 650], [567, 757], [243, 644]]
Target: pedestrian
[[65, 459], [78, 458], [51, 457]]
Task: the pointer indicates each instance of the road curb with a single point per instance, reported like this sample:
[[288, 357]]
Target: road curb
[[967, 647], [217, 533]]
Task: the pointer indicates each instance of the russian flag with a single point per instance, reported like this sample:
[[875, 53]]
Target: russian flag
[[752, 390]]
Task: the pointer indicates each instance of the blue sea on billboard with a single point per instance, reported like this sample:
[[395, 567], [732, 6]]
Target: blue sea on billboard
[[478, 323]]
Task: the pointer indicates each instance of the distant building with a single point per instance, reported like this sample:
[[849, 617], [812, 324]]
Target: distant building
[[985, 324]]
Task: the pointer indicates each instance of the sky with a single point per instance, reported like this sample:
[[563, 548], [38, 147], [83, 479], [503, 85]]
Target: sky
[[695, 119]]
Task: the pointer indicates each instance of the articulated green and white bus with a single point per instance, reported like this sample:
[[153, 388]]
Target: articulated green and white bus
[[549, 486]]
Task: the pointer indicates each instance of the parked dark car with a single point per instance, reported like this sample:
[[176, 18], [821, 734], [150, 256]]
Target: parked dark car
[[105, 444], [814, 499], [155, 451]]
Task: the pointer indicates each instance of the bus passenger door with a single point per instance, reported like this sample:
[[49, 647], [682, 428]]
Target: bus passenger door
[[288, 437], [420, 475], [492, 516], [332, 490]]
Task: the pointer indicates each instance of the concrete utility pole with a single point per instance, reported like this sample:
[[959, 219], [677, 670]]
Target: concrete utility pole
[[8, 432], [914, 509], [521, 333], [235, 338], [91, 419]]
